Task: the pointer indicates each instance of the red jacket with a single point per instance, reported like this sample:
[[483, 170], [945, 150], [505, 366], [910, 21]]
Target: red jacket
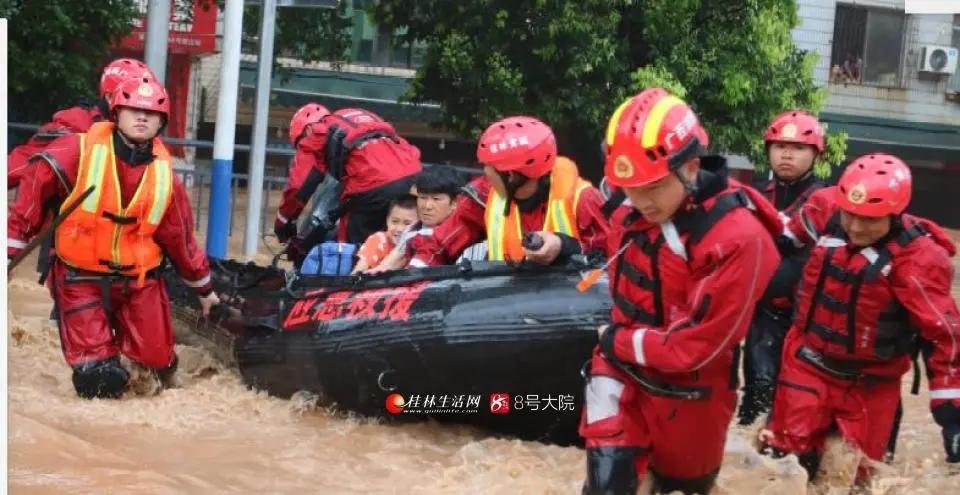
[[174, 235], [377, 163], [467, 226], [684, 291], [71, 120], [905, 290]]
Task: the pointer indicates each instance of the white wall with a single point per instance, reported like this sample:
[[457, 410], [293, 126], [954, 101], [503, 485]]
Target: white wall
[[923, 99]]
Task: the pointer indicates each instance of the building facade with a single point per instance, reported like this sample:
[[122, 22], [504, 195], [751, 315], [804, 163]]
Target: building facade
[[882, 93]]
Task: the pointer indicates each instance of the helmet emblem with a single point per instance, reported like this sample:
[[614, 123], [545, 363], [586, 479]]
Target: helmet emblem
[[789, 131], [145, 91], [857, 195], [623, 167]]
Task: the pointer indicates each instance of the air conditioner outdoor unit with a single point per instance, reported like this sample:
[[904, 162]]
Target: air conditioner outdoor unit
[[938, 59]]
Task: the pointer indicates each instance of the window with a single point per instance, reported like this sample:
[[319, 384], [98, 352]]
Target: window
[[867, 45]]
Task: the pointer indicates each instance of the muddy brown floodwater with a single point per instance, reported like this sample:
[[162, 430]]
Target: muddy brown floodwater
[[216, 436]]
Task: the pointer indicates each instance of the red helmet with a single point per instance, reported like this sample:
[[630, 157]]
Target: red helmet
[[518, 144], [649, 136], [358, 115], [143, 93], [120, 70], [875, 185], [795, 126], [311, 113]]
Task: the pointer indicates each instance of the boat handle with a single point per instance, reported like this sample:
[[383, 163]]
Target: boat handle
[[380, 384], [584, 372]]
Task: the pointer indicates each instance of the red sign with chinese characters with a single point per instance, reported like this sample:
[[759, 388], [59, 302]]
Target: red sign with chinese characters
[[193, 27], [392, 303]]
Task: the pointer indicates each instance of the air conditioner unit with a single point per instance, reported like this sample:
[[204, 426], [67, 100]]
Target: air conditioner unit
[[938, 59]]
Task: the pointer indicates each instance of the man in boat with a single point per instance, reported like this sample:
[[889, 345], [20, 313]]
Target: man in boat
[[75, 119], [436, 190], [691, 253], [362, 151], [110, 298], [794, 140], [876, 280], [526, 188]]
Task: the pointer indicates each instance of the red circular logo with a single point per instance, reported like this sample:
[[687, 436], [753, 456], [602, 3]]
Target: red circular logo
[[395, 403]]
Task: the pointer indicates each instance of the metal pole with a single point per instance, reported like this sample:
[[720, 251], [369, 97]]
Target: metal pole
[[258, 139], [158, 25], [223, 142]]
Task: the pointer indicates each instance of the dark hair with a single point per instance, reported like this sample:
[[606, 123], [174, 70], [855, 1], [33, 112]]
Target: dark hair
[[406, 202], [439, 180]]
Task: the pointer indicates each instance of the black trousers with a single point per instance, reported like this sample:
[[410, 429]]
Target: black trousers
[[761, 363]]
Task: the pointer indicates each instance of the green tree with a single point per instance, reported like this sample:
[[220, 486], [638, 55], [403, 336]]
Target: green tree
[[56, 49], [305, 34], [572, 62]]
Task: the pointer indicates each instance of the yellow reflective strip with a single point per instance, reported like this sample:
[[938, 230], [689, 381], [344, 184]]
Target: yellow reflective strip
[[160, 190], [561, 222], [615, 121], [95, 177], [495, 238], [518, 226], [652, 127]]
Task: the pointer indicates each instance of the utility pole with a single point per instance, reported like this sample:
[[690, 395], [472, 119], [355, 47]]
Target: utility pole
[[258, 139], [219, 215], [158, 26]]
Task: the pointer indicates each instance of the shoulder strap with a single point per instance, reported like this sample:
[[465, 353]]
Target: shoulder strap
[[884, 255], [334, 152], [697, 224], [55, 166]]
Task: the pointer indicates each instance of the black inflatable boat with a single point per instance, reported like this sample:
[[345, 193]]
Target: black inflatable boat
[[489, 344]]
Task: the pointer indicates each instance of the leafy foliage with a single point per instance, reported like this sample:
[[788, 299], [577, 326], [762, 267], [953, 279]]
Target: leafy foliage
[[572, 62]]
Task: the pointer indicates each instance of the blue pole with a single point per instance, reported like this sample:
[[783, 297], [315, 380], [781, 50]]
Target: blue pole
[[218, 217]]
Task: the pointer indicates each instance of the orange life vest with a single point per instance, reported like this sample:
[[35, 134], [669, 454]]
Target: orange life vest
[[505, 234], [101, 235]]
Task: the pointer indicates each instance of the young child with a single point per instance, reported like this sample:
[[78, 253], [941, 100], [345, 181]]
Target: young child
[[402, 214]]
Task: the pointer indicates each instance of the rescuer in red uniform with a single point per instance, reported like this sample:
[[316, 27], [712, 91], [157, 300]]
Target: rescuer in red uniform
[[526, 188], [105, 276], [794, 140], [362, 151], [692, 252], [877, 284]]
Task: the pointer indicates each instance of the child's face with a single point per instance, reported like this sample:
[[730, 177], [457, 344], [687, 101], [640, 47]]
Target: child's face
[[398, 220]]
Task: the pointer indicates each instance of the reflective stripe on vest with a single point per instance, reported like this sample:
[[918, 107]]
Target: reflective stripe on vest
[[103, 236], [505, 233], [94, 177]]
